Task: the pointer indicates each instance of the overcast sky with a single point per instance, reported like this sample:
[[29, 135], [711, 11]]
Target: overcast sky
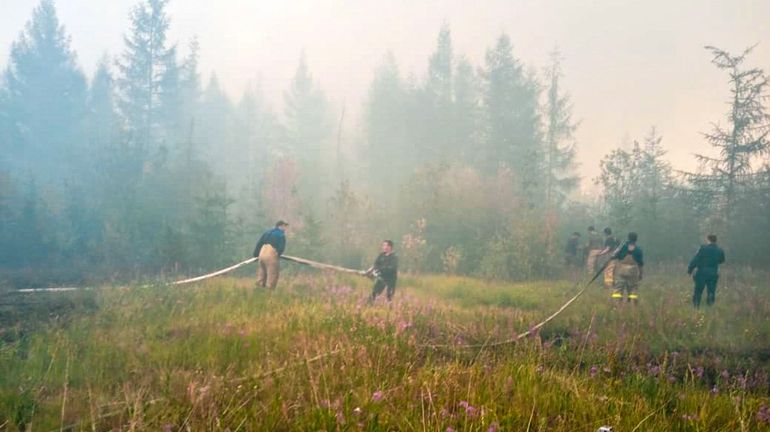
[[629, 64]]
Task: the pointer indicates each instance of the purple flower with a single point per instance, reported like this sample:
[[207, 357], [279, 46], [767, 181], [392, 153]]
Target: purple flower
[[763, 414], [594, 370], [493, 427], [450, 429], [699, 372], [403, 325], [471, 411], [377, 396], [714, 390]]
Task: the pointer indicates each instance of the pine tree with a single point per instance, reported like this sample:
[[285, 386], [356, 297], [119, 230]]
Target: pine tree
[[656, 179], [256, 132], [103, 123], [466, 118], [308, 130], [559, 140], [513, 122], [739, 144], [386, 128], [307, 118], [45, 98], [148, 76], [216, 112], [189, 100], [435, 137]]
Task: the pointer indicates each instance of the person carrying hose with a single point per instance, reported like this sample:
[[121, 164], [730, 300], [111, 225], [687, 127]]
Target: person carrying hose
[[384, 272], [269, 249], [628, 269]]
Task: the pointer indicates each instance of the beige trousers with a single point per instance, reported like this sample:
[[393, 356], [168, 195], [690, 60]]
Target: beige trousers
[[268, 268], [593, 255]]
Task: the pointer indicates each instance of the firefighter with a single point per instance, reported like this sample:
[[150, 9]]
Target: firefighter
[[384, 272], [610, 244], [593, 248], [269, 249], [706, 261], [628, 269]]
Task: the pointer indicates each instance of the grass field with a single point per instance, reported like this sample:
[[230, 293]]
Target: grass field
[[221, 355]]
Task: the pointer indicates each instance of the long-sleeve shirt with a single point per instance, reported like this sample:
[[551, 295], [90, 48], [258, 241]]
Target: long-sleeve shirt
[[595, 241], [387, 266], [636, 253], [275, 238], [709, 256]]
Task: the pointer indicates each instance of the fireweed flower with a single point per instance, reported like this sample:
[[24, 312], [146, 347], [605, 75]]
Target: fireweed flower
[[594, 370], [763, 415], [377, 396]]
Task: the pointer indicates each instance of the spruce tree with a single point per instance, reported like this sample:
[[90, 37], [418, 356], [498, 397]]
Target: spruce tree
[[386, 128], [560, 177], [739, 145], [513, 135], [435, 139], [45, 98], [466, 118], [148, 76]]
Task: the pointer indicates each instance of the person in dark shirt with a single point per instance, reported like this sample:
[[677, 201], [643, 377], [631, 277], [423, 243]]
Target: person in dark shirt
[[628, 269], [269, 249], [572, 249], [384, 272], [706, 261]]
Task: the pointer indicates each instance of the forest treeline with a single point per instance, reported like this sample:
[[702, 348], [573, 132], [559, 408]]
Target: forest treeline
[[143, 168]]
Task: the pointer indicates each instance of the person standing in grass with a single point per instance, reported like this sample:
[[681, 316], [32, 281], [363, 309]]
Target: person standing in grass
[[706, 261], [384, 272], [572, 249], [593, 249], [628, 269], [572, 255], [610, 244], [269, 249]]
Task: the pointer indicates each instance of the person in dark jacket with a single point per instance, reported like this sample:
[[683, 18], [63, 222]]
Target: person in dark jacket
[[628, 269], [572, 250], [269, 249], [384, 272], [706, 261]]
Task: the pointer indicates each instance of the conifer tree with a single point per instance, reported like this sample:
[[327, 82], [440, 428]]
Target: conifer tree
[[148, 76], [45, 98]]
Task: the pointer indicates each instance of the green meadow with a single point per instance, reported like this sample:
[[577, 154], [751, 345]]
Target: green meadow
[[221, 355]]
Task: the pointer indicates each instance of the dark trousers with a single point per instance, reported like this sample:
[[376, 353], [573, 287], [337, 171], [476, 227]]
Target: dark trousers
[[380, 285], [708, 280]]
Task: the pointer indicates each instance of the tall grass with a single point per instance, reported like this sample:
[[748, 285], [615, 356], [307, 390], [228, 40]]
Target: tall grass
[[313, 355]]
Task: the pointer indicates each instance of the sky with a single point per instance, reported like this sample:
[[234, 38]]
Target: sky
[[628, 64]]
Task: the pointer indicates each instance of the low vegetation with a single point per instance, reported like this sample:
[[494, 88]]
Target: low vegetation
[[221, 355]]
